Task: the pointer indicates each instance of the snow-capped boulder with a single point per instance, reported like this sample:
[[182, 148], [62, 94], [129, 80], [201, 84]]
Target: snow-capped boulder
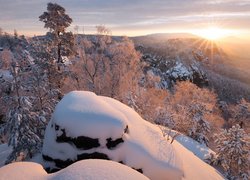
[[98, 170], [85, 169], [87, 126], [22, 170]]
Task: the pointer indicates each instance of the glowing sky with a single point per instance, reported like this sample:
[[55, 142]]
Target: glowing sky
[[130, 17]]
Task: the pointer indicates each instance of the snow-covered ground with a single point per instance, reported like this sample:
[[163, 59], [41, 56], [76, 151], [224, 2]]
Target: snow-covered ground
[[84, 114], [85, 169], [101, 120], [193, 167], [5, 150], [200, 150]]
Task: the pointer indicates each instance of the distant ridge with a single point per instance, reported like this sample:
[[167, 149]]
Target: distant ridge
[[161, 38], [168, 35]]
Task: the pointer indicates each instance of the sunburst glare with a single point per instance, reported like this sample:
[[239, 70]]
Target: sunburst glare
[[213, 33]]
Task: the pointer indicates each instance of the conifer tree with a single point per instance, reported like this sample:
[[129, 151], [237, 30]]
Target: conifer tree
[[23, 126], [233, 152], [56, 20]]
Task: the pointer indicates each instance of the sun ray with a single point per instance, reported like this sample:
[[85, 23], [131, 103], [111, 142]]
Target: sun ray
[[213, 33]]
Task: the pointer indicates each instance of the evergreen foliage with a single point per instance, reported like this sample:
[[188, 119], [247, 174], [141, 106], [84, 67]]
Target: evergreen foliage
[[233, 152], [56, 20]]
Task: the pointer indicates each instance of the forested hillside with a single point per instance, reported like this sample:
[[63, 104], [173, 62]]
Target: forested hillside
[[183, 84]]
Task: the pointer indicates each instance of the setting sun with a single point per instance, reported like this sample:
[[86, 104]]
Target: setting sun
[[213, 33]]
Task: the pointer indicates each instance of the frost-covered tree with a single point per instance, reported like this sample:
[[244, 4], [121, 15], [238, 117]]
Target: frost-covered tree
[[91, 52], [150, 103], [45, 61], [195, 110], [241, 114], [56, 20], [44, 96], [30, 98], [24, 129], [46, 80], [22, 125], [106, 66], [124, 69], [233, 152], [5, 80]]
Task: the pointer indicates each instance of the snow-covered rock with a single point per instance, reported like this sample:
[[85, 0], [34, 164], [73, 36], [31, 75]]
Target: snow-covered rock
[[85, 169], [140, 145], [87, 126], [98, 170], [176, 65], [22, 170]]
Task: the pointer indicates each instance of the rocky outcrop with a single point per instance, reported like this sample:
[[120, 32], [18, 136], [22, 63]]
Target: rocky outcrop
[[82, 144], [86, 126]]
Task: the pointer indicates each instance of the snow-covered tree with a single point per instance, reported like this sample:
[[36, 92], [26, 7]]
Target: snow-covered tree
[[45, 61], [106, 66], [30, 99], [151, 103], [24, 129], [195, 110], [22, 125], [56, 20], [45, 79], [241, 114], [233, 152]]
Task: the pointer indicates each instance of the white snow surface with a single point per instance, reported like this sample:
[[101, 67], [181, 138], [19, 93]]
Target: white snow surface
[[85, 169], [5, 151], [144, 147], [179, 70], [200, 150], [193, 167], [86, 114]]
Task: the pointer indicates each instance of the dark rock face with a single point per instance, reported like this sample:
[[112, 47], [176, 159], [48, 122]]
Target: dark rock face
[[199, 79], [81, 142], [139, 170], [60, 164], [113, 143], [95, 155]]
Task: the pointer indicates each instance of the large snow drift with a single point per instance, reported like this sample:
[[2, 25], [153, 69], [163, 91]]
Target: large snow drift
[[85, 169], [87, 126]]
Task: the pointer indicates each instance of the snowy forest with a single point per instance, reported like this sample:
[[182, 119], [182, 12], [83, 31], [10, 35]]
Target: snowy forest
[[180, 88]]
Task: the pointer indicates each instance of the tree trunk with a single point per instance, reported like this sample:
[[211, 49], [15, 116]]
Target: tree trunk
[[58, 48], [59, 59]]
